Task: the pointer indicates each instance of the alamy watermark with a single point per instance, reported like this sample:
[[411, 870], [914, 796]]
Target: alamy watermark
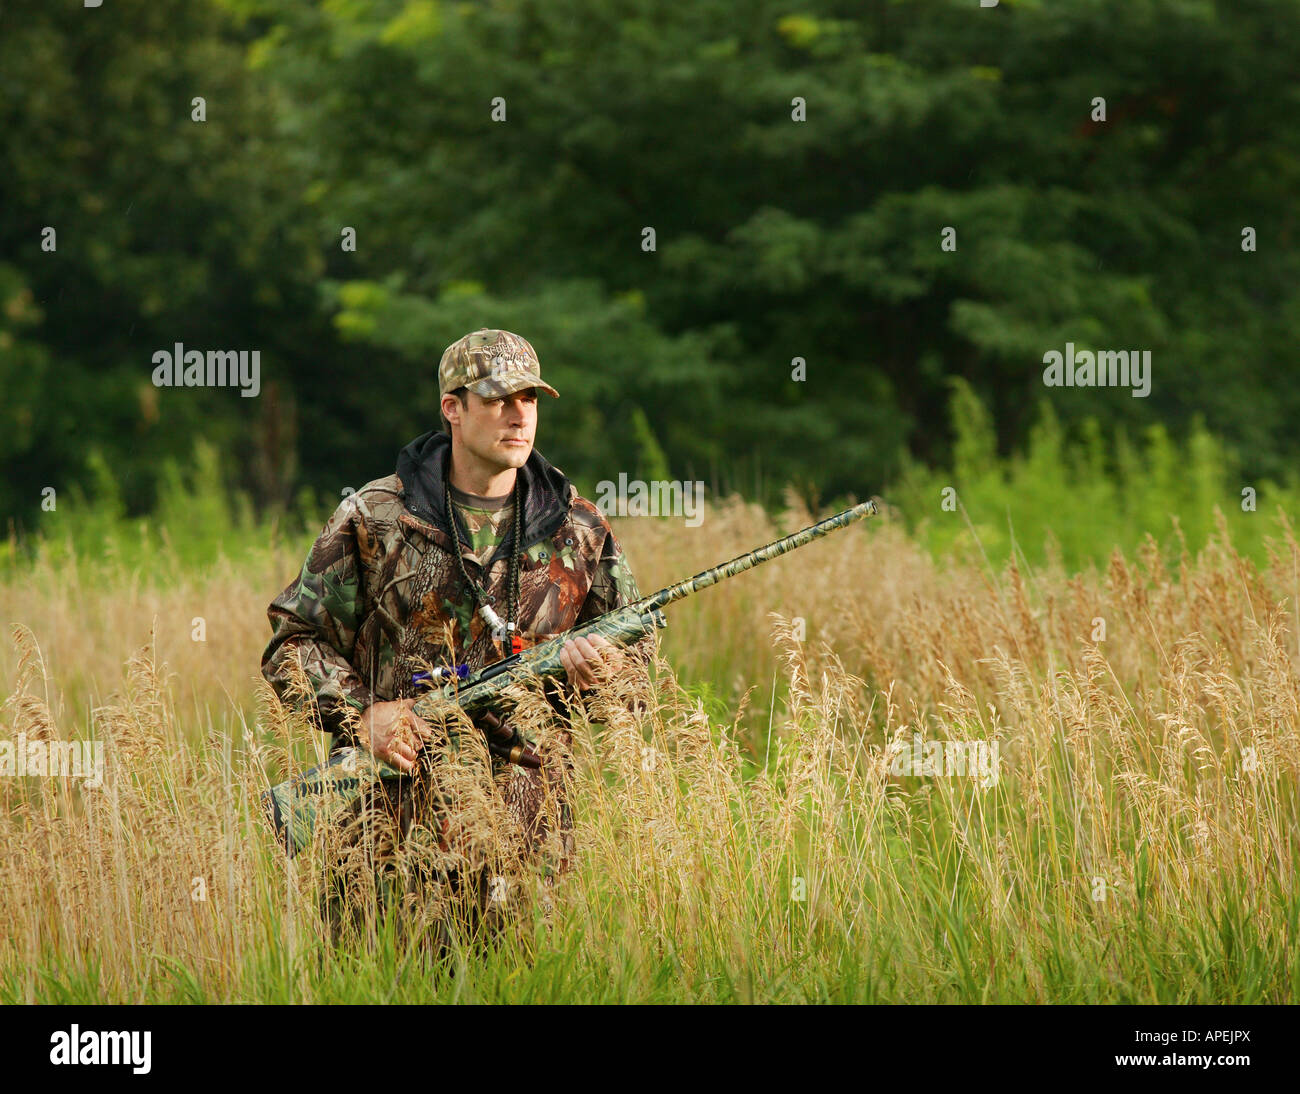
[[1105, 368], [69, 759], [970, 759], [660, 498], [183, 367], [89, 1046]]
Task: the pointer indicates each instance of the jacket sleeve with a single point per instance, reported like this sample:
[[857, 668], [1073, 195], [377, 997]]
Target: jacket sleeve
[[613, 586], [316, 619]]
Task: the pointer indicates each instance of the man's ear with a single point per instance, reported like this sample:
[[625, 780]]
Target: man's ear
[[449, 400]]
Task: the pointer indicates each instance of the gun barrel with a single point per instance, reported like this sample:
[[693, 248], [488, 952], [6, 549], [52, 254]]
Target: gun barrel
[[737, 565]]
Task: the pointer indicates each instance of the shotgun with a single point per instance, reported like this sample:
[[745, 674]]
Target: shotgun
[[295, 807]]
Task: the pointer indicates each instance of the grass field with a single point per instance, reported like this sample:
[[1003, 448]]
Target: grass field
[[1137, 842]]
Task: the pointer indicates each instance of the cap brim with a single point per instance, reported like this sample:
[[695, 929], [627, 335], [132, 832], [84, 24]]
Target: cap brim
[[516, 381]]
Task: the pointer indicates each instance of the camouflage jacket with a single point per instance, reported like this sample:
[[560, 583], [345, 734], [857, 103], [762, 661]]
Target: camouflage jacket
[[380, 593]]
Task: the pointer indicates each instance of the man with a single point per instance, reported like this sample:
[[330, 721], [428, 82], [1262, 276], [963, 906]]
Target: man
[[477, 546]]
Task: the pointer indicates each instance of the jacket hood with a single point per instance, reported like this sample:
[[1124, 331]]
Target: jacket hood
[[422, 467]]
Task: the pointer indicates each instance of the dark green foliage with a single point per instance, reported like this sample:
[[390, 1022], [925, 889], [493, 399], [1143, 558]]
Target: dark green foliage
[[776, 239]]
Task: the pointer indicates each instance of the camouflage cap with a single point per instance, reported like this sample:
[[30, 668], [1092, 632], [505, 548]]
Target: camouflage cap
[[491, 363]]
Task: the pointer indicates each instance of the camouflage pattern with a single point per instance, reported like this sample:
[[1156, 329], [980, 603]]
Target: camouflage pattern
[[297, 805], [488, 521], [491, 363], [380, 597]]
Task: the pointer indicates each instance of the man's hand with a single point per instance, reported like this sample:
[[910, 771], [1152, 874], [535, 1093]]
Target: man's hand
[[394, 733], [588, 660]]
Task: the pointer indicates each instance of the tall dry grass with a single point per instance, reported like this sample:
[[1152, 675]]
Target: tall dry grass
[[742, 838]]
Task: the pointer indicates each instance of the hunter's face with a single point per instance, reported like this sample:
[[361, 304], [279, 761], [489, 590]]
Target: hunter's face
[[500, 431]]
